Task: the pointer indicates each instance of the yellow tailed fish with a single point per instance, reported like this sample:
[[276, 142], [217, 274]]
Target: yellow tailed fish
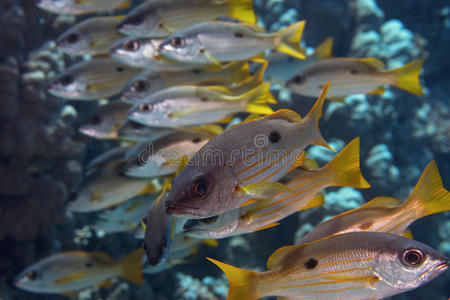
[[94, 36], [92, 80], [80, 7], [215, 42], [109, 189], [355, 76], [351, 266], [149, 81], [162, 157], [136, 132], [386, 214], [106, 121], [72, 271], [343, 170], [244, 162], [196, 105], [283, 67], [160, 18]]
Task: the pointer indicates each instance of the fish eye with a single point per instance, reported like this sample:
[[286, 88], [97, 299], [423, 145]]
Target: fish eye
[[178, 42], [412, 257], [131, 45], [73, 38], [88, 264], [145, 107], [96, 119], [353, 71], [200, 187], [140, 86], [299, 79], [32, 275], [136, 20], [66, 80]]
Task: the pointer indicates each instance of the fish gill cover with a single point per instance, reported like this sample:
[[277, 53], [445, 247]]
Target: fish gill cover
[[139, 139]]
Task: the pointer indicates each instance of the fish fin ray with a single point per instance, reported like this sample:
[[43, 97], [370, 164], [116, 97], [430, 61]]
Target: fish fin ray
[[324, 49], [242, 10], [290, 40], [131, 267], [408, 77], [276, 259]]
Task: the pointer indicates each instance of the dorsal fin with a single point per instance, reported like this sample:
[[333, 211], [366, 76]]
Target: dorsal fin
[[285, 114], [276, 259], [382, 202], [374, 62]]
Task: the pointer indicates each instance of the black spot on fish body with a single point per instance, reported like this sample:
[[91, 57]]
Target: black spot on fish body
[[238, 35], [120, 69], [204, 99], [354, 72], [197, 71], [274, 136], [311, 263], [196, 140]]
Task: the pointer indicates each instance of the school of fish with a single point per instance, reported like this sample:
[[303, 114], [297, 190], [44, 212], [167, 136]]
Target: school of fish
[[201, 155]]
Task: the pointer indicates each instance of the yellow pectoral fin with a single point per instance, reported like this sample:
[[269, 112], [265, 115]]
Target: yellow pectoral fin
[[210, 242], [124, 5], [378, 91], [408, 234], [212, 59], [266, 227], [309, 164], [265, 189], [368, 281], [213, 128], [105, 284], [337, 99], [248, 202], [70, 278]]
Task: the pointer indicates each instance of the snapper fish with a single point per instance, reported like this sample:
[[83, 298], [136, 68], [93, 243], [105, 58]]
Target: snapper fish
[[93, 36], [106, 121], [108, 189], [81, 7], [196, 105], [92, 80], [136, 132], [72, 271], [306, 185], [215, 42], [283, 67], [163, 156], [148, 82], [386, 214], [244, 162], [355, 76], [160, 18], [351, 266]]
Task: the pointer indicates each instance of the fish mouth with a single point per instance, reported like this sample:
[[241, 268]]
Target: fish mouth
[[441, 267], [181, 211]]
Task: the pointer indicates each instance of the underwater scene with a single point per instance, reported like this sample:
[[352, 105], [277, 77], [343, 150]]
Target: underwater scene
[[224, 149]]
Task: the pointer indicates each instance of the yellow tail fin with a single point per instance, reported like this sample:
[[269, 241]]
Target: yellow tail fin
[[314, 116], [290, 40], [408, 77], [429, 195], [242, 10], [345, 168], [239, 280], [260, 94], [324, 49], [131, 267]]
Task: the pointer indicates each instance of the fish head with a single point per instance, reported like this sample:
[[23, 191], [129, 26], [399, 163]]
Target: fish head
[[72, 41], [214, 227], [299, 83], [57, 6], [32, 279], [139, 87], [143, 111], [139, 23], [68, 85], [183, 47], [100, 126], [406, 264], [202, 190], [128, 51]]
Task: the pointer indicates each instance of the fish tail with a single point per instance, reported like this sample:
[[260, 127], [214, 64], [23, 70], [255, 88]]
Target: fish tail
[[290, 40], [408, 77], [314, 116], [258, 98], [239, 280], [429, 195], [345, 167], [324, 50], [242, 10], [257, 77], [131, 267]]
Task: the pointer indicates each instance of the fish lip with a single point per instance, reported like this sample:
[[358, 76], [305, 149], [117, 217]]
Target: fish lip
[[443, 266], [178, 210]]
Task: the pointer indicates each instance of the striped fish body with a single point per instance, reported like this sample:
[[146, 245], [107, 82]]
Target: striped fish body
[[136, 132], [258, 151], [348, 76], [76, 7], [353, 266], [109, 190], [148, 82], [107, 120], [162, 157], [92, 80], [160, 18], [94, 36], [224, 41]]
